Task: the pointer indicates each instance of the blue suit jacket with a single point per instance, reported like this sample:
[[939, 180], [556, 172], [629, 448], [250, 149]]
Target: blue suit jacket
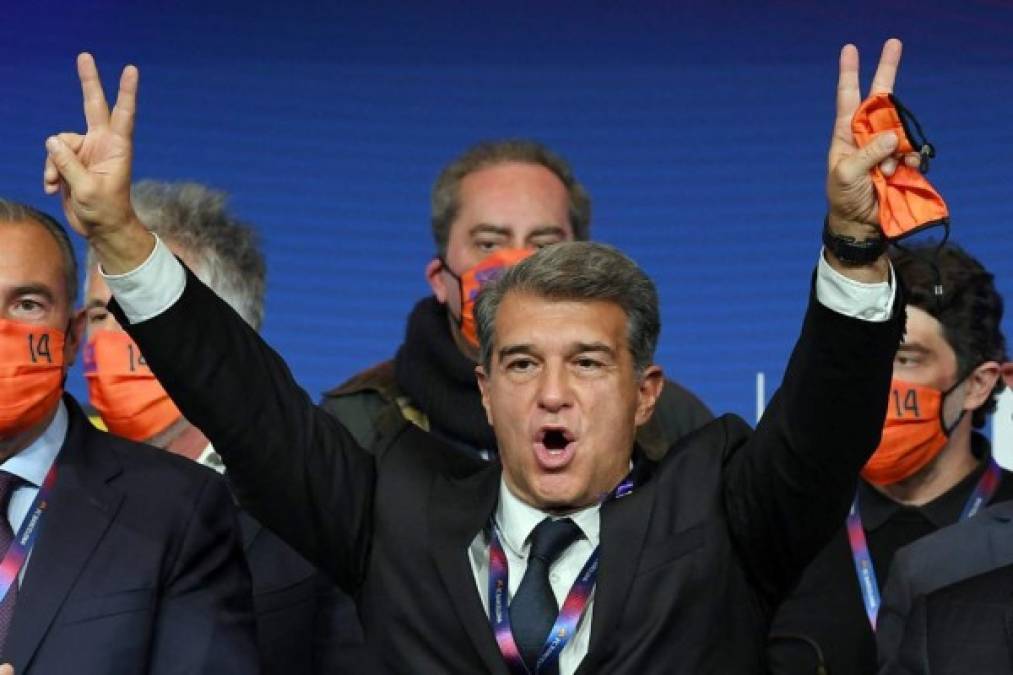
[[137, 567]]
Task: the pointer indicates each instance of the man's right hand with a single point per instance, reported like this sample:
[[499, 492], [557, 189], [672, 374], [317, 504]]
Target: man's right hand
[[92, 172]]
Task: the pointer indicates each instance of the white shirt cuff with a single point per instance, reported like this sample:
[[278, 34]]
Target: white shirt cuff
[[870, 302], [151, 288]]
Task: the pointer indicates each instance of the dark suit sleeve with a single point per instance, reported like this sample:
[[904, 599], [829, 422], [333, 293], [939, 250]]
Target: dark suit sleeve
[[789, 487], [292, 466], [204, 621]]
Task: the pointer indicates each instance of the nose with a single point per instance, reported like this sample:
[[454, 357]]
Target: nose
[[554, 390]]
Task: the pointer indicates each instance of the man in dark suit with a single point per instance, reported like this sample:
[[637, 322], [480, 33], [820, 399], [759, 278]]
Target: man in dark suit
[[963, 628], [126, 559], [933, 469], [973, 548], [303, 621], [460, 565]]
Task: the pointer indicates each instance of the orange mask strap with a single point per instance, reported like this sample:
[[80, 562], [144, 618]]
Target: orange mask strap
[[907, 201], [31, 374]]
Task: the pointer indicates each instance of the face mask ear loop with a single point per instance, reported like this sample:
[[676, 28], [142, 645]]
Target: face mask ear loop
[[915, 134], [460, 290]]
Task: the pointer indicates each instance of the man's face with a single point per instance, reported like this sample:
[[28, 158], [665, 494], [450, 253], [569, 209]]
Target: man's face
[[33, 290], [926, 358], [33, 282], [564, 399], [96, 296], [508, 205]]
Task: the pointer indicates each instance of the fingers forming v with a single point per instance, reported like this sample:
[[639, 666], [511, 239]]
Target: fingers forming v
[[96, 110], [122, 119], [886, 71]]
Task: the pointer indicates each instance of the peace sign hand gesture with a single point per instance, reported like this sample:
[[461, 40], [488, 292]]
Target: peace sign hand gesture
[[92, 171], [854, 208]]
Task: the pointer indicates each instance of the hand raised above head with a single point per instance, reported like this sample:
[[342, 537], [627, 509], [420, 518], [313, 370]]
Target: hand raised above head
[[92, 171], [851, 196]]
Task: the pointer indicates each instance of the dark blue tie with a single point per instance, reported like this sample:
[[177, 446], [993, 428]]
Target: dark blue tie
[[533, 609]]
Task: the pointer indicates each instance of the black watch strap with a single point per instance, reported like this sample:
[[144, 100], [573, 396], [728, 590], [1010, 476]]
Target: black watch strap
[[852, 251]]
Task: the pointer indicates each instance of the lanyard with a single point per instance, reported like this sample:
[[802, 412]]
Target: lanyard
[[569, 614], [563, 628], [16, 555], [983, 492]]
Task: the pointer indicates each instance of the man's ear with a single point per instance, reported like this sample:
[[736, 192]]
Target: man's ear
[[980, 384], [72, 340], [483, 386], [436, 281], [648, 392], [1007, 373]]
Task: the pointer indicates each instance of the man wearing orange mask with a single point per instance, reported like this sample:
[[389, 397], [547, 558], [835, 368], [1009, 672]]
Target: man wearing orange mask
[[491, 207], [302, 626], [125, 560], [932, 468]]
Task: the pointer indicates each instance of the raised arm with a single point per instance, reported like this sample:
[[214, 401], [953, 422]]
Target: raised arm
[[789, 488], [293, 466]]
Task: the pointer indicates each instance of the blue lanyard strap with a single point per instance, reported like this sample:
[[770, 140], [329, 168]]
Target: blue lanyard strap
[[16, 555], [864, 569]]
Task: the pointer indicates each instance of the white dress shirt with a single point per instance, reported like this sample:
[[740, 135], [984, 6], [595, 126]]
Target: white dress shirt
[[156, 284], [31, 465]]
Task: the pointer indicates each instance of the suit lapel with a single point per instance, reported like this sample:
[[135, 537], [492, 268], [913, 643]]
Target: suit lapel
[[81, 509], [459, 509], [624, 524]]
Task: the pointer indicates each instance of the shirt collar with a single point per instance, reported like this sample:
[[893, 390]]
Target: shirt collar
[[876, 508], [515, 520], [32, 464]]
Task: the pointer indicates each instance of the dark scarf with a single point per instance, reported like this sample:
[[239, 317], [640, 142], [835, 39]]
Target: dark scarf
[[440, 380]]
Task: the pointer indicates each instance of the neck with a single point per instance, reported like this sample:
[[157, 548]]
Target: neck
[[953, 464], [181, 438], [15, 444]]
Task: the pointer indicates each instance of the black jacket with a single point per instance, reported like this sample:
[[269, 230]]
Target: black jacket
[[692, 562]]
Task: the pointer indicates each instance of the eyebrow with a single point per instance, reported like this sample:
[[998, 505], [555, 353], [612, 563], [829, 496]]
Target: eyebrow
[[34, 289], [95, 303], [503, 230], [913, 347], [578, 348]]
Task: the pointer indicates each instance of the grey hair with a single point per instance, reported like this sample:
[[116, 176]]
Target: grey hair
[[225, 252], [445, 199], [582, 271], [14, 212]]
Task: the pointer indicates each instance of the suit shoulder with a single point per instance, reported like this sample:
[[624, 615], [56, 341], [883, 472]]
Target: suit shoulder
[[715, 442], [143, 461]]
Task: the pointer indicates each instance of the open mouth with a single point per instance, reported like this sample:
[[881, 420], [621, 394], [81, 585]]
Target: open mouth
[[554, 447], [555, 440]]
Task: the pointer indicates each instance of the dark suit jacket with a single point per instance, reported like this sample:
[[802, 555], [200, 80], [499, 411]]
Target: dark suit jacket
[[137, 567], [955, 553], [962, 629], [303, 620], [691, 562]]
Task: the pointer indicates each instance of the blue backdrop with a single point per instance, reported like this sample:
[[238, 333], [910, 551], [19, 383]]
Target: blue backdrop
[[700, 130]]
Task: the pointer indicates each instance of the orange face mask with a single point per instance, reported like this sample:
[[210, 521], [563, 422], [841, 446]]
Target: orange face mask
[[123, 389], [907, 201], [31, 374], [474, 278], [913, 435]]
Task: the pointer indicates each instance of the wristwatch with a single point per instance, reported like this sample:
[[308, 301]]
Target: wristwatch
[[852, 251]]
